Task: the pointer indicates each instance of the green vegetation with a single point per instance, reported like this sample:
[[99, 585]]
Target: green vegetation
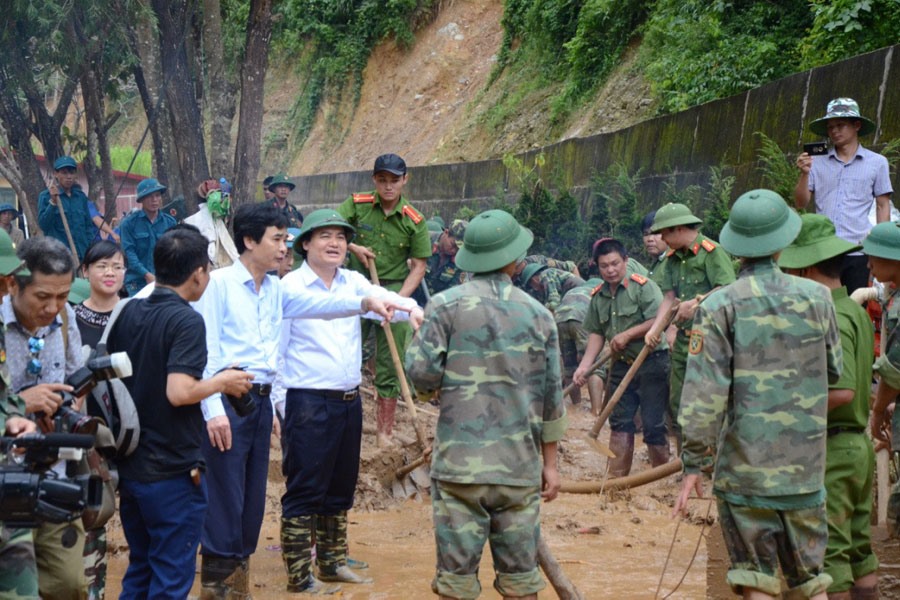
[[122, 156]]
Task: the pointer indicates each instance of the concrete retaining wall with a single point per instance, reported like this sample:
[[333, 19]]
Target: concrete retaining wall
[[682, 145]]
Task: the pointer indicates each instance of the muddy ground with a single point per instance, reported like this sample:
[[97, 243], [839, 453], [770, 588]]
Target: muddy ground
[[617, 545]]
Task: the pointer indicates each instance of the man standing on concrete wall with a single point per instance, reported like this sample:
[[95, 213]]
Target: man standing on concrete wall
[[843, 183]]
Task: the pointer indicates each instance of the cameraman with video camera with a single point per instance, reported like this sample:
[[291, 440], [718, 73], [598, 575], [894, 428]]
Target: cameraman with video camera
[[18, 570], [43, 347]]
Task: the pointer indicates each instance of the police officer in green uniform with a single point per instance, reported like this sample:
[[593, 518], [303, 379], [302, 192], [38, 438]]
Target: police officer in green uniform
[[694, 266], [392, 232], [18, 568]]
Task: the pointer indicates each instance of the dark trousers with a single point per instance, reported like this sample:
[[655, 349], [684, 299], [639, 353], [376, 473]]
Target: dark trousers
[[649, 391], [855, 273], [322, 437], [162, 522], [237, 484]]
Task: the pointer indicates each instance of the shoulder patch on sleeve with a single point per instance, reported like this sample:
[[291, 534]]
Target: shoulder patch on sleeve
[[695, 345], [413, 214], [363, 198], [708, 245], [596, 289], [640, 279]]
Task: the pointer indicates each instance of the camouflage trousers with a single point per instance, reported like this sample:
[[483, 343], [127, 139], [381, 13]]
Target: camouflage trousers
[[95, 561], [572, 343], [677, 367], [759, 540], [326, 533], [468, 515], [18, 568]]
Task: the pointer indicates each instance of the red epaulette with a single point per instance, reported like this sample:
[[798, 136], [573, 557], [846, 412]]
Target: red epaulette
[[596, 289], [413, 214], [708, 245], [363, 198], [640, 279]]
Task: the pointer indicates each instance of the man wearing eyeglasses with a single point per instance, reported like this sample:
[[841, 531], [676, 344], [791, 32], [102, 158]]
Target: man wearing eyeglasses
[[43, 346]]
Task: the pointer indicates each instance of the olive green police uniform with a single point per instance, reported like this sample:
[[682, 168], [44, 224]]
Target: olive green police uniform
[[393, 237], [690, 272]]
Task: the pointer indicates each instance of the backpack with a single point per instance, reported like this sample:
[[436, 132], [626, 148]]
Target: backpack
[[112, 402]]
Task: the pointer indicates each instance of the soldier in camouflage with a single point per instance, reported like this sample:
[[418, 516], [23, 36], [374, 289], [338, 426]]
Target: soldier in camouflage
[[882, 246], [493, 352], [18, 567], [569, 317], [621, 311], [540, 259], [694, 266], [762, 353], [547, 285], [441, 271], [818, 254]]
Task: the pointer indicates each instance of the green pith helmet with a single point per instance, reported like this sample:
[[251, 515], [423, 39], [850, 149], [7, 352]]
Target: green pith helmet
[[493, 240], [883, 241], [671, 215], [9, 262], [760, 224], [815, 243], [433, 226], [317, 219], [281, 179], [80, 291], [530, 270]]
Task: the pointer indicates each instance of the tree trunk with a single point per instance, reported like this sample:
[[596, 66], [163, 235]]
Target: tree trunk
[[187, 124], [253, 75], [220, 99], [149, 78], [97, 129]]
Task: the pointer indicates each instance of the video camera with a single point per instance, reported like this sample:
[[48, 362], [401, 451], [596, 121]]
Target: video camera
[[31, 494]]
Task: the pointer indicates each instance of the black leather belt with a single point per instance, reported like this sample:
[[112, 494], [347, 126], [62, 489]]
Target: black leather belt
[[838, 430], [333, 394], [261, 389]]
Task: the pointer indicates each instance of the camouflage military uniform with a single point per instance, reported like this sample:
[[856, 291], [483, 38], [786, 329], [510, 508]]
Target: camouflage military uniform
[[494, 354], [690, 272], [850, 457], [553, 283], [762, 354], [393, 238], [553, 263], [439, 277], [18, 567], [569, 317]]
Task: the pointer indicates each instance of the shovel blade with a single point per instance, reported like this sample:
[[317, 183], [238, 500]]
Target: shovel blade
[[601, 448]]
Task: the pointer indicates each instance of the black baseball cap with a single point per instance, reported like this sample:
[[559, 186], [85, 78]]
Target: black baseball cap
[[390, 163]]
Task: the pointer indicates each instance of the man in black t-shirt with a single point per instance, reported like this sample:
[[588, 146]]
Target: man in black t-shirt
[[162, 488]]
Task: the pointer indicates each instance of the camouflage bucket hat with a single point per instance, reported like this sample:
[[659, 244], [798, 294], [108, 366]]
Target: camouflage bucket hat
[[815, 242], [760, 224], [493, 240], [672, 215], [9, 262], [458, 231], [883, 241], [317, 219], [841, 108], [280, 179]]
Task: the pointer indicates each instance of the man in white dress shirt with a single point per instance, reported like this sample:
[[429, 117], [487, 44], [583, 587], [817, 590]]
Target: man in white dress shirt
[[323, 412], [243, 309]]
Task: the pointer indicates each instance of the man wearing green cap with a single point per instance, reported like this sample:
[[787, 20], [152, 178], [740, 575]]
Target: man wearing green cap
[[441, 271], [139, 232], [281, 187], [322, 408], [8, 216], [818, 254], [393, 234], [493, 352], [694, 266], [882, 246], [65, 191], [547, 285], [18, 570], [843, 184], [762, 353]]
